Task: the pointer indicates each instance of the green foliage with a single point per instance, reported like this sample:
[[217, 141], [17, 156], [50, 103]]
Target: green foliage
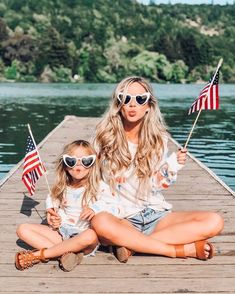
[[179, 71], [3, 9], [62, 74], [27, 78], [106, 40], [151, 65], [11, 72]]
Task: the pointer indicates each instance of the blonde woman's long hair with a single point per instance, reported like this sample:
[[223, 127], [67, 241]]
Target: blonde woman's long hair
[[111, 142], [64, 179]]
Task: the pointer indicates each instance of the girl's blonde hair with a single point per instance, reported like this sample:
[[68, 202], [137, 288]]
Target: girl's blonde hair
[[64, 179], [111, 142]]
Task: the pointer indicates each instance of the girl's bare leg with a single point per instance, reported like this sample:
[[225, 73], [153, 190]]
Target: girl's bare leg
[[38, 236], [86, 242]]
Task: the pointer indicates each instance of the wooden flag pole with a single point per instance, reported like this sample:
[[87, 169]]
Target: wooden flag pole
[[31, 134], [204, 99]]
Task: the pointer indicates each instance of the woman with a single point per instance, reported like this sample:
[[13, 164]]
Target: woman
[[131, 141]]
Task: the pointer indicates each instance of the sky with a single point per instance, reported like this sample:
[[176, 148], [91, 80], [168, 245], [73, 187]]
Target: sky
[[221, 2]]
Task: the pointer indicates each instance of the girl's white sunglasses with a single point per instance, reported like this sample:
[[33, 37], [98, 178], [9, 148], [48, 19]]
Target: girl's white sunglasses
[[71, 161], [140, 99]]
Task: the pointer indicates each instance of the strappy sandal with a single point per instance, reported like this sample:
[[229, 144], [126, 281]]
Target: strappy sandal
[[122, 253], [69, 260], [200, 250], [28, 259]]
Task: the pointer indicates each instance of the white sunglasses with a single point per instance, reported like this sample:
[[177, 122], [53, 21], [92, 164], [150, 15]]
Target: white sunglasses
[[86, 161], [140, 99]]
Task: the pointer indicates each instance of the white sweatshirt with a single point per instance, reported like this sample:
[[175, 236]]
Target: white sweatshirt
[[126, 193]]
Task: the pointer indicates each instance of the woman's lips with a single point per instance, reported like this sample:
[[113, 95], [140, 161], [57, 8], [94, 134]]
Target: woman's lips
[[132, 113]]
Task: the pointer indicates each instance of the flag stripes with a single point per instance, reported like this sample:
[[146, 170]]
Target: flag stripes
[[33, 168], [208, 97]]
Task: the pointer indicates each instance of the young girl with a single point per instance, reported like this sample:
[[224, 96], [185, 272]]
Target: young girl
[[74, 195], [131, 141]]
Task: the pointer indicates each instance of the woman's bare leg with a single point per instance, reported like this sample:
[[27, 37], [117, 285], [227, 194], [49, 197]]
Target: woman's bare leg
[[117, 232], [187, 227], [38, 236]]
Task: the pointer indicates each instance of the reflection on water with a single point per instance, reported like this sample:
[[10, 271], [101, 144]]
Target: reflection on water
[[45, 105]]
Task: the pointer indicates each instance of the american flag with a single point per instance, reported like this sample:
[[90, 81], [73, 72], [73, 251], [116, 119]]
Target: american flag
[[33, 168], [212, 101]]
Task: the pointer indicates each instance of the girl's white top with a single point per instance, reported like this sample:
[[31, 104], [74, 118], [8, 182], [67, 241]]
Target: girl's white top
[[71, 206], [126, 193]]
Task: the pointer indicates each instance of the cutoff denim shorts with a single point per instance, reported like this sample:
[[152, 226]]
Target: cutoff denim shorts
[[146, 220], [68, 231]]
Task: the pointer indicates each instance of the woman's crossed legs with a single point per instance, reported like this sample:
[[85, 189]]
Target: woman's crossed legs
[[175, 228]]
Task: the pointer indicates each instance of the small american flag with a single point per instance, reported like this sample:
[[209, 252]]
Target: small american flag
[[212, 101], [33, 168]]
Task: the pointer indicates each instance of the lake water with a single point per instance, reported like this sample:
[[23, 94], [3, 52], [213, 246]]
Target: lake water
[[45, 105]]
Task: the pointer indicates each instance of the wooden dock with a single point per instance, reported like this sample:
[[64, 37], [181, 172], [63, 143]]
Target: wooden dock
[[196, 188]]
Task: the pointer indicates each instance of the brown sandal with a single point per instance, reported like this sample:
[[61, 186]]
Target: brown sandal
[[69, 260], [122, 253], [200, 250], [29, 259]]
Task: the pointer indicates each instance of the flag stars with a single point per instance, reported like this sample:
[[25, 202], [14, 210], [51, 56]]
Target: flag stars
[[29, 145]]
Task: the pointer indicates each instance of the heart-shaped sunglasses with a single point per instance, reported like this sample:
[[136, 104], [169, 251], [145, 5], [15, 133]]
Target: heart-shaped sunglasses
[[140, 99], [86, 161]]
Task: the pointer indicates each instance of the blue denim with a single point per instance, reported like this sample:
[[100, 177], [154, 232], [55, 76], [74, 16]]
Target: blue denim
[[68, 231], [146, 220]]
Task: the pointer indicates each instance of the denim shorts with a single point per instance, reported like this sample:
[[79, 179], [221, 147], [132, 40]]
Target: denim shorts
[[68, 231], [146, 220]]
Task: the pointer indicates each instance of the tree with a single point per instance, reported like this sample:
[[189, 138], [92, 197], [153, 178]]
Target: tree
[[3, 30], [22, 48], [53, 51]]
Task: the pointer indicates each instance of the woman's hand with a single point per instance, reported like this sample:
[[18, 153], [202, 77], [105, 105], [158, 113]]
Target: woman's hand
[[120, 180], [87, 213], [53, 218], [181, 156]]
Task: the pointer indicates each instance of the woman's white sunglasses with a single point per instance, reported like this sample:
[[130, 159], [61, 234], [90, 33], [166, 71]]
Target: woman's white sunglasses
[[140, 99], [86, 161]]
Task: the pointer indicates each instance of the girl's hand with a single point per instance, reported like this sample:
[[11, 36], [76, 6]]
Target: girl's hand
[[181, 155], [53, 219], [87, 214]]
